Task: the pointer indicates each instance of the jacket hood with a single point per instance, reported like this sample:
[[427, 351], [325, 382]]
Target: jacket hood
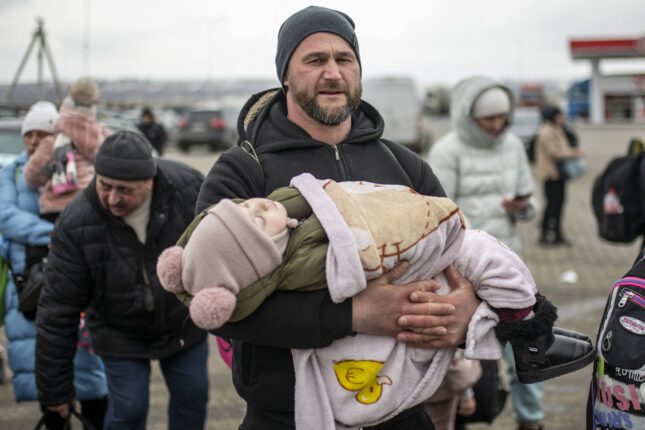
[[463, 97], [266, 110]]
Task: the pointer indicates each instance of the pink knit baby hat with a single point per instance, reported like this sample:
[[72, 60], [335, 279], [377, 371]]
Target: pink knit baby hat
[[225, 252]]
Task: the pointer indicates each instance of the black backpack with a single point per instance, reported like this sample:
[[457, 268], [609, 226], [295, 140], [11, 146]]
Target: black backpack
[[614, 401], [616, 197]]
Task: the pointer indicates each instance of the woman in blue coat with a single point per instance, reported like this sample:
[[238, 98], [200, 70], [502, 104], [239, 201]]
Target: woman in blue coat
[[21, 226]]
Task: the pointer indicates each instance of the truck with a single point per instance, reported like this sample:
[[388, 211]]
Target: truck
[[397, 100], [437, 101], [578, 100], [531, 95]]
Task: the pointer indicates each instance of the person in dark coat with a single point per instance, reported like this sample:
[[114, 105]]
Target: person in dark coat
[[152, 130], [104, 250], [317, 123]]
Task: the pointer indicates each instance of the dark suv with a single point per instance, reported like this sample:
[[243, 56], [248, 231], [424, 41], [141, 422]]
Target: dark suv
[[210, 127]]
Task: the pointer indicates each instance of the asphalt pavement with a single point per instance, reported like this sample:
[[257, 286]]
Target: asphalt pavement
[[577, 280]]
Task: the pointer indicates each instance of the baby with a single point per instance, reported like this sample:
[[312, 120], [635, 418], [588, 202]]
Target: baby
[[350, 232], [365, 227], [232, 247]]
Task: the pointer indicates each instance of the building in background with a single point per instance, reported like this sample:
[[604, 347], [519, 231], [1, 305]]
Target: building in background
[[622, 97], [608, 97]]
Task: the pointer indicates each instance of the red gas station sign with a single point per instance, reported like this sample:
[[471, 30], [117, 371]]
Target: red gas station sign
[[607, 48]]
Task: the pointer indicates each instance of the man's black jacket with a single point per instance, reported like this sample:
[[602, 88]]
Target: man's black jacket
[[263, 369], [97, 264]]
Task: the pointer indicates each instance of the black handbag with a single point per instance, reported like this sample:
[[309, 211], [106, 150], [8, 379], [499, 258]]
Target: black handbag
[[29, 290], [87, 425], [490, 395], [30, 285]]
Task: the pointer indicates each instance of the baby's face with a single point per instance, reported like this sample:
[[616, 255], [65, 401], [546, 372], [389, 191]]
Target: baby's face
[[269, 216]]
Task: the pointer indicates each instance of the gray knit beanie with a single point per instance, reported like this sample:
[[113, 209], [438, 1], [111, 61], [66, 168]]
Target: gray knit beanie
[[306, 22], [125, 155]]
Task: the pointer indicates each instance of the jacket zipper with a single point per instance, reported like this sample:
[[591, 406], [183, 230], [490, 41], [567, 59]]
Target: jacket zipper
[[183, 331], [344, 175], [630, 295], [148, 298]]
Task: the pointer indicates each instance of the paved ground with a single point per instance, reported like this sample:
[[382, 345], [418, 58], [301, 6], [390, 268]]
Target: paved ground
[[597, 265]]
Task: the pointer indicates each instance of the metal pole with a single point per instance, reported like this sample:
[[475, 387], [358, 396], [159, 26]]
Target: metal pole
[[50, 59], [40, 69], [20, 67], [86, 40], [43, 49], [596, 97]]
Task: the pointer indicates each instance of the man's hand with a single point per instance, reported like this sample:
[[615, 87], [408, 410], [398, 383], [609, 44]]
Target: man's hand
[[62, 410], [379, 308], [445, 320]]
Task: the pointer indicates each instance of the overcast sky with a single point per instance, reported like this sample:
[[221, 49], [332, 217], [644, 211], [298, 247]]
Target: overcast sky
[[435, 41]]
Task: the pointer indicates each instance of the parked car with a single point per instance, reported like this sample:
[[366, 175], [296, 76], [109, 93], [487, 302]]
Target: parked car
[[214, 126], [437, 101], [531, 94], [526, 123], [401, 107], [7, 111], [11, 143], [578, 100]]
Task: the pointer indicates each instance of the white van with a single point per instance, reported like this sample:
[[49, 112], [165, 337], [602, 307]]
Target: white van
[[400, 105]]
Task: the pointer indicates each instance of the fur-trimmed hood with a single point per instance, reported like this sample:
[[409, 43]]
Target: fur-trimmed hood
[[279, 133], [463, 97]]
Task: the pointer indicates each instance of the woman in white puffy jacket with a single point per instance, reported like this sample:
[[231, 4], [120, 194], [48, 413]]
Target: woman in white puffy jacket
[[484, 169]]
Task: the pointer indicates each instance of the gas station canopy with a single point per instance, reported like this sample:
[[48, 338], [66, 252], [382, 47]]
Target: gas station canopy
[[607, 48], [595, 50]]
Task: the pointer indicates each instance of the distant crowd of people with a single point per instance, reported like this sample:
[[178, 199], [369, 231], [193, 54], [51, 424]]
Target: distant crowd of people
[[358, 284]]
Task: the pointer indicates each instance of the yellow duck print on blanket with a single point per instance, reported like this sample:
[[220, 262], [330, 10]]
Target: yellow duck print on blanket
[[362, 376]]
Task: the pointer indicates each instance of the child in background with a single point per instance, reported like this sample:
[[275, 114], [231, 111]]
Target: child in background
[[455, 394], [349, 233], [62, 165]]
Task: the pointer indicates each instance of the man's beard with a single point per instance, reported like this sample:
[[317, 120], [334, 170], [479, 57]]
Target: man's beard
[[330, 115]]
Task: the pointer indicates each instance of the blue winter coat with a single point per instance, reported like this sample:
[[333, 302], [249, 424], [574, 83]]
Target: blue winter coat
[[20, 225]]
